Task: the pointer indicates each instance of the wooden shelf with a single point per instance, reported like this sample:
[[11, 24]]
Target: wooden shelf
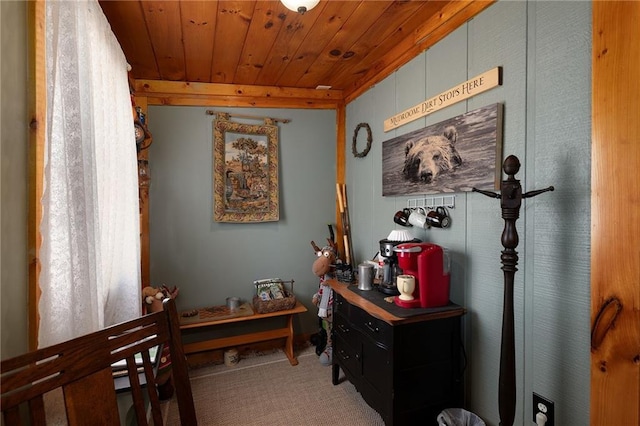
[[246, 338]]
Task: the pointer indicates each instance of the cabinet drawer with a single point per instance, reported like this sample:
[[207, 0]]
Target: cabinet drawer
[[347, 356], [342, 327], [373, 327], [340, 305]]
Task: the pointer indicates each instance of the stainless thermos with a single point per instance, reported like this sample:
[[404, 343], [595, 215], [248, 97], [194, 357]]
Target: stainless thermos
[[365, 276]]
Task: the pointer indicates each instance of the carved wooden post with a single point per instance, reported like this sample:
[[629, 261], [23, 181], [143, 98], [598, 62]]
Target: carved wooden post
[[510, 200]]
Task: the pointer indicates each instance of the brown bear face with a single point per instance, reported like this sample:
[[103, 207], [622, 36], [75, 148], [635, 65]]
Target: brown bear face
[[426, 158]]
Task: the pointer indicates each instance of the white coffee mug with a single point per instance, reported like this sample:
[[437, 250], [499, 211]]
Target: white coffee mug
[[418, 218], [406, 284]]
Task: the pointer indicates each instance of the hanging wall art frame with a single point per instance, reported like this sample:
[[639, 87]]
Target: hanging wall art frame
[[454, 155], [245, 171]]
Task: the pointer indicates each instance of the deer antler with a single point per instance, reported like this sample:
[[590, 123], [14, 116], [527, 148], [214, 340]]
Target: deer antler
[[333, 245]]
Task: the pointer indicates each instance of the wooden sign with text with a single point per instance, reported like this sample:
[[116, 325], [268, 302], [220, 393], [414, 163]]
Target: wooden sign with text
[[469, 88]]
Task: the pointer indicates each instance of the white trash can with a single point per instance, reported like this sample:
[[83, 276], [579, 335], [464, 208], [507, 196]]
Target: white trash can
[[459, 417]]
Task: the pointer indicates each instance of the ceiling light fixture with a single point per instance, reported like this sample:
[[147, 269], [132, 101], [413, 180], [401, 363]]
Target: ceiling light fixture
[[300, 6]]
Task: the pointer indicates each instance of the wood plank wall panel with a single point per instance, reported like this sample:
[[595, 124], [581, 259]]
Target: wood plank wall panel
[[164, 30], [496, 37], [358, 23], [453, 15], [132, 38], [143, 198], [178, 89], [615, 215], [556, 241], [233, 42], [37, 127], [233, 17], [199, 24], [268, 19], [290, 38], [316, 40], [341, 119], [213, 94], [384, 38], [239, 101]]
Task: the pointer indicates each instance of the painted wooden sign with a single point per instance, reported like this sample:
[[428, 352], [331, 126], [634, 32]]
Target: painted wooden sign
[[469, 88]]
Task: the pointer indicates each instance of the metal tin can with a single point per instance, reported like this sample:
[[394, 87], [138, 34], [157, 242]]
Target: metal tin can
[[233, 303], [365, 276]]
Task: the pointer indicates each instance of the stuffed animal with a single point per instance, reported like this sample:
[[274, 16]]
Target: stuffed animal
[[153, 298], [323, 299]]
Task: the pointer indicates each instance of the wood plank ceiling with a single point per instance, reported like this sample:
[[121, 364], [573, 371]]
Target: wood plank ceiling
[[345, 46]]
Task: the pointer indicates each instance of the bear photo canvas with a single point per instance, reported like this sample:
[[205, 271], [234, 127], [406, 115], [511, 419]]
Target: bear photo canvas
[[455, 155]]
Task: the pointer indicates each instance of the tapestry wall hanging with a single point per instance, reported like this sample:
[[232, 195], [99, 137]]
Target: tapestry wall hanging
[[454, 155], [245, 171]]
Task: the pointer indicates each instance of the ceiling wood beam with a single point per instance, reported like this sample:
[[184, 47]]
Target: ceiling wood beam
[[241, 102], [209, 94]]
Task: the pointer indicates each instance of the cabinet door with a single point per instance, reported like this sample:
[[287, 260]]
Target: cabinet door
[[377, 366], [427, 374], [377, 377]]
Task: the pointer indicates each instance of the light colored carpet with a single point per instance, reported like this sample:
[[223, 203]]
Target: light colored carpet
[[267, 390]]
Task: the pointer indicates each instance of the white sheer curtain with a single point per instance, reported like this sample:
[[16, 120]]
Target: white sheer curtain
[[90, 253]]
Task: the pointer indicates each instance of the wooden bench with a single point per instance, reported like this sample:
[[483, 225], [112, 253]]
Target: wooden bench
[[246, 338]]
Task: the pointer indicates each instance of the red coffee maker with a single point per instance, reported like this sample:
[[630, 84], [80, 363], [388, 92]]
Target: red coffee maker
[[429, 264]]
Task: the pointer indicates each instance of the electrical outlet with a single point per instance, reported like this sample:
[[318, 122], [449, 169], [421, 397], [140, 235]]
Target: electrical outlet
[[545, 406]]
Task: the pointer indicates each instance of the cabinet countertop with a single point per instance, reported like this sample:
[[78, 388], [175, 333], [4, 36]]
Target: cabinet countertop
[[385, 315]]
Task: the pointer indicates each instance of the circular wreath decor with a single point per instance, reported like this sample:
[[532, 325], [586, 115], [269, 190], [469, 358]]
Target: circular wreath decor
[[354, 147]]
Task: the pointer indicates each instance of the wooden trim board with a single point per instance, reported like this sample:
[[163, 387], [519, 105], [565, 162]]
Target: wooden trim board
[[615, 257]]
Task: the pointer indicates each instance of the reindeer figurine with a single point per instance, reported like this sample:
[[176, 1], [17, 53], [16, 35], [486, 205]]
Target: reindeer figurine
[[323, 299]]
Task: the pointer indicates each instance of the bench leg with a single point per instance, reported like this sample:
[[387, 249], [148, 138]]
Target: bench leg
[[288, 349]]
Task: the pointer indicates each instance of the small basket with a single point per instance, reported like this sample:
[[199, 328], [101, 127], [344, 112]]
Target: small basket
[[287, 302], [344, 273]]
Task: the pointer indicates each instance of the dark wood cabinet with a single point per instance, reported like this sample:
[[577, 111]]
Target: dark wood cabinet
[[407, 368]]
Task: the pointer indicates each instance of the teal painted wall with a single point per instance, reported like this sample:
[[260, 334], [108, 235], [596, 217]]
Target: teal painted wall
[[211, 261], [544, 49], [14, 179]]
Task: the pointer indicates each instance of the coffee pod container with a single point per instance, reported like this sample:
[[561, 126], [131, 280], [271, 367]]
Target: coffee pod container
[[231, 357], [365, 276]]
